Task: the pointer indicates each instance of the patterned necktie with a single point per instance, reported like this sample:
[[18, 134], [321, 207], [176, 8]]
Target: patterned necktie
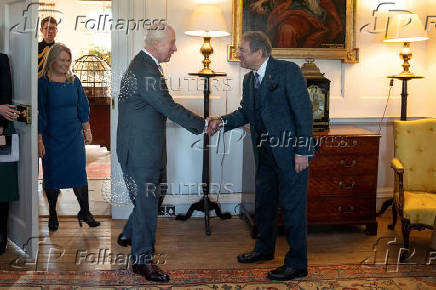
[[160, 69], [256, 80]]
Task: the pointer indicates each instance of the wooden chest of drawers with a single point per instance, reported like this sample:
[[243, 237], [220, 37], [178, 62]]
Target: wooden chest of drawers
[[100, 120], [342, 180]]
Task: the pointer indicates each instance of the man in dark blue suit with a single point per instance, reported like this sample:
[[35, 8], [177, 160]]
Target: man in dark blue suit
[[276, 104]]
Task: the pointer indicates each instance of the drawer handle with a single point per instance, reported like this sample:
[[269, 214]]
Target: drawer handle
[[350, 210], [350, 165], [343, 186], [348, 143]]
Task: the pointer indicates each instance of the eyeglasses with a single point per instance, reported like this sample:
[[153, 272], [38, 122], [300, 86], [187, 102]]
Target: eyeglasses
[[241, 50]]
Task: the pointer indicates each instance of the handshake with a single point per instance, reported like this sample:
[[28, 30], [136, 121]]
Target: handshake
[[213, 125]]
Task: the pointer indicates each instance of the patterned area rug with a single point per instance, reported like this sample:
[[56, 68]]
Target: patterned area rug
[[320, 277]]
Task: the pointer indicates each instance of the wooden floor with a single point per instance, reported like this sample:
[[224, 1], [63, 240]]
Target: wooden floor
[[98, 199], [183, 245], [67, 204]]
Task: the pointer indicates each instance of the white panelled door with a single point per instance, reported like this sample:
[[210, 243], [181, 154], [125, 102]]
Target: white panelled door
[[20, 44]]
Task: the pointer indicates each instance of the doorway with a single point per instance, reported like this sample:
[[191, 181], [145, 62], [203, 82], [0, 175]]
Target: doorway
[[81, 28]]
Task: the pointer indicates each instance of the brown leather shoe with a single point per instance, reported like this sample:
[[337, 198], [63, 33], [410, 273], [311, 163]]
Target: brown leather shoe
[[124, 241], [151, 272], [251, 257], [284, 273]]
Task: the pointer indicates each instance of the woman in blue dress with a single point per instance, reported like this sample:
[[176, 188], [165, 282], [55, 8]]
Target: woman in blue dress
[[63, 131]]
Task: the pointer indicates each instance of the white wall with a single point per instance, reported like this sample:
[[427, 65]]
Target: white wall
[[358, 91]]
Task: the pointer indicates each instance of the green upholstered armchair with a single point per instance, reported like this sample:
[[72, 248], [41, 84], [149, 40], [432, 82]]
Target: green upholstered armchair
[[415, 176]]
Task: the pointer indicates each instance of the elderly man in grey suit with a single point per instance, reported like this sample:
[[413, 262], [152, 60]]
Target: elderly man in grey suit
[[144, 106], [276, 104]]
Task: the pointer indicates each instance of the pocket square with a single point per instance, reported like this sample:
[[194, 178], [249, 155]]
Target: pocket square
[[273, 86]]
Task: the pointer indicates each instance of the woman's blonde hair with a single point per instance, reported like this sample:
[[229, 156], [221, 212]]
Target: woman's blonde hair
[[51, 57]]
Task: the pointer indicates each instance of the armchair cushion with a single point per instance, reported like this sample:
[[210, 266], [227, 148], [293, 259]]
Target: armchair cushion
[[419, 207], [415, 148]]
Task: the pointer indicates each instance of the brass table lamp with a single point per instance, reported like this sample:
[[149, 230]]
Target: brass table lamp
[[207, 21], [405, 28]]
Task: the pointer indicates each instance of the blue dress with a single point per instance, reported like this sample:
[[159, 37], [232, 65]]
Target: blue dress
[[63, 107]]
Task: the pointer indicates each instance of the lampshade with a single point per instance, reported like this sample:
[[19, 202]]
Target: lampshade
[[405, 28], [207, 21]]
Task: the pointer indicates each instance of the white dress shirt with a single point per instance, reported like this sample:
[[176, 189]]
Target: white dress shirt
[[261, 71], [152, 57]]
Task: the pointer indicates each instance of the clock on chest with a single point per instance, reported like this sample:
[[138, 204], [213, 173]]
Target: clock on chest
[[318, 88]]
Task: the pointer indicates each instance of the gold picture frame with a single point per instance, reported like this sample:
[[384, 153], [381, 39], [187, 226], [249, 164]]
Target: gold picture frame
[[348, 54]]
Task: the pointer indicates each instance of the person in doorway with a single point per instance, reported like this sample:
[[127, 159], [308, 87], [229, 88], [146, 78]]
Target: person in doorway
[[49, 29], [8, 170], [63, 131]]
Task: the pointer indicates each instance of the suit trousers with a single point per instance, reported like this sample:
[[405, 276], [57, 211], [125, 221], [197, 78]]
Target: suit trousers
[[143, 185], [276, 186]]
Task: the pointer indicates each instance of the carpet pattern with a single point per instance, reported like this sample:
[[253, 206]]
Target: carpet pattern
[[320, 277]]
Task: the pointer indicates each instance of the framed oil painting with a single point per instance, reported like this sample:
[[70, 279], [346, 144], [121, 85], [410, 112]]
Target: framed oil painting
[[323, 29]]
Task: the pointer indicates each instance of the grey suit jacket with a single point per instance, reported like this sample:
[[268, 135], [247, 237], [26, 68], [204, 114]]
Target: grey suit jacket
[[143, 108], [286, 111]]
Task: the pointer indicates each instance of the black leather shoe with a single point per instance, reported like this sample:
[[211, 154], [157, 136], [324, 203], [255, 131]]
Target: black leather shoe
[[124, 241], [87, 218], [151, 272], [284, 273], [252, 257]]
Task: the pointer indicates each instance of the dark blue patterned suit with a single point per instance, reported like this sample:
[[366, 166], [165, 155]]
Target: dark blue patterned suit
[[280, 116]]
